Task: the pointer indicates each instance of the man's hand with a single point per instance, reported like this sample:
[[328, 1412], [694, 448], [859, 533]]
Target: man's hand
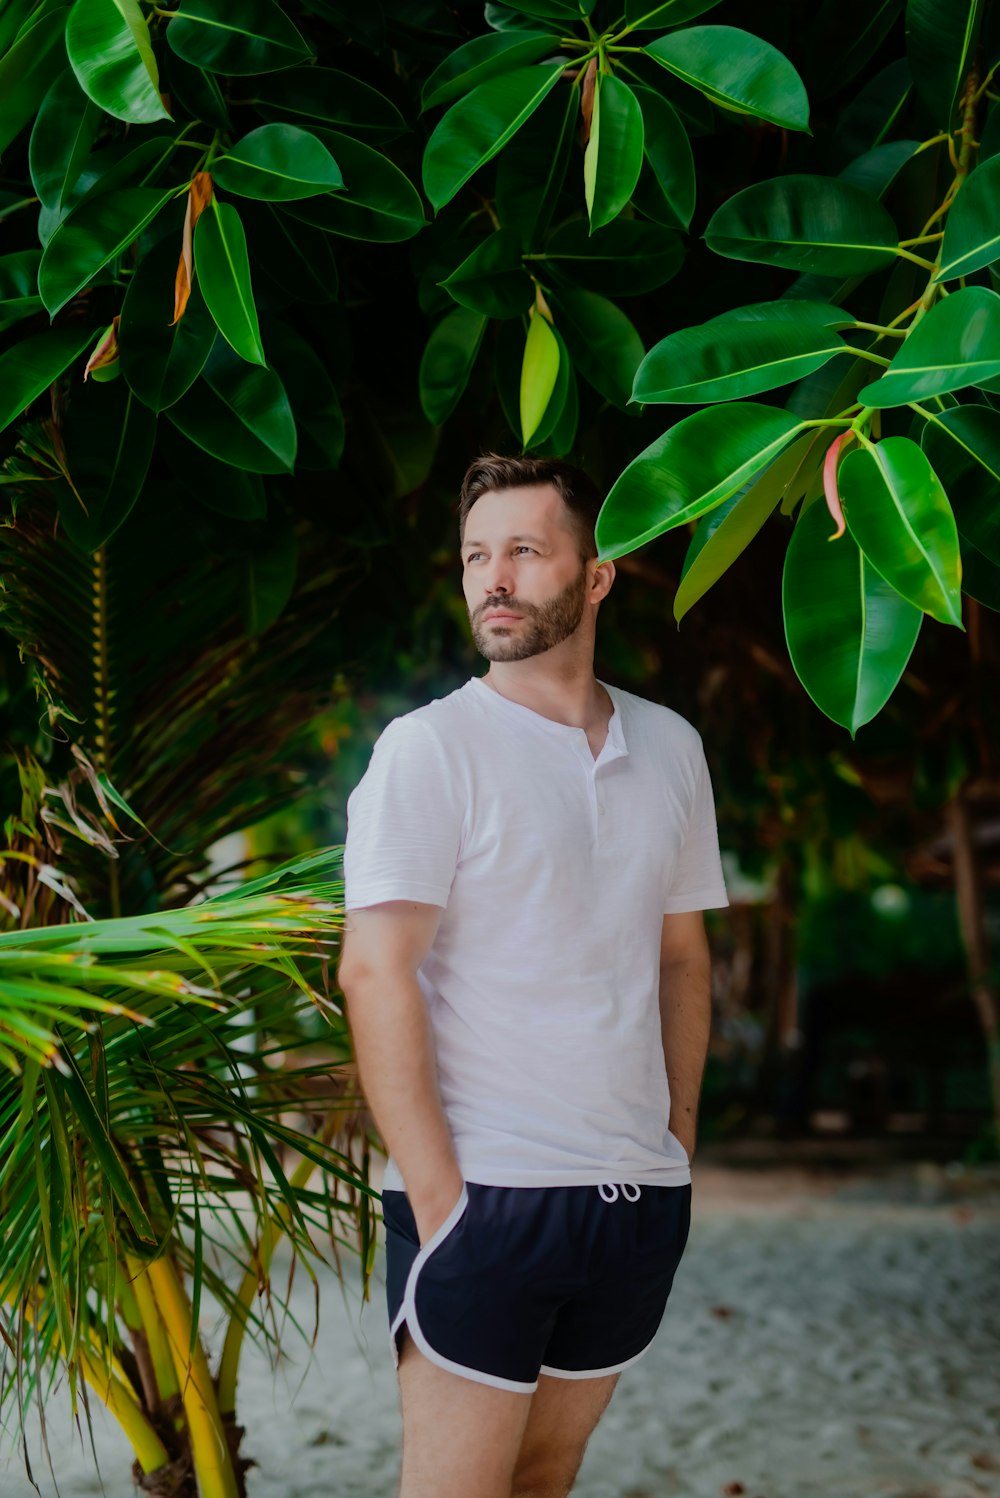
[[432, 1207]]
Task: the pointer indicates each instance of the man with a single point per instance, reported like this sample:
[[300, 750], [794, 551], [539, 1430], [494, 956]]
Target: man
[[527, 982]]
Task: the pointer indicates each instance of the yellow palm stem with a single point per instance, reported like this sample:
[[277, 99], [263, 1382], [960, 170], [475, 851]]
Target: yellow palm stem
[[117, 1394], [210, 1450], [152, 1325]]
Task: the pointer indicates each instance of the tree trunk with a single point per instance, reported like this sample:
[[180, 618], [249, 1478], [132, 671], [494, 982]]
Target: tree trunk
[[972, 921]]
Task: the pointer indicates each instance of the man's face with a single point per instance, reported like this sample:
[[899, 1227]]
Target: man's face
[[525, 582]]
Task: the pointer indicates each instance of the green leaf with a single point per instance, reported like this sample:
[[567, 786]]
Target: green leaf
[[790, 309], [312, 394], [109, 438], [31, 366], [625, 258], [197, 92], [539, 371], [483, 58], [805, 223], [331, 98], [240, 413], [963, 445], [160, 361], [215, 484], [641, 15], [94, 232], [270, 579], [532, 169], [19, 286], [668, 152], [940, 43], [278, 163], [736, 70], [849, 633], [843, 37], [980, 576], [725, 532], [878, 168], [898, 513], [602, 342], [61, 137], [492, 280], [559, 441], [874, 111], [726, 359], [479, 125], [613, 157], [108, 45], [956, 344], [298, 257], [972, 231], [689, 470], [259, 38], [377, 203], [223, 270], [447, 362], [28, 70]]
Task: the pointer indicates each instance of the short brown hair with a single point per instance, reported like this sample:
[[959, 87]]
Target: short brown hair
[[491, 472]]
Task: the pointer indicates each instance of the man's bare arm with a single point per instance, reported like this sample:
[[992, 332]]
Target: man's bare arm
[[394, 1049], [685, 1017]]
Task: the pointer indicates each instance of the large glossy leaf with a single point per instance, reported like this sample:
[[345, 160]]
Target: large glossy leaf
[[963, 445], [872, 114], [95, 231], [377, 201], [31, 366], [331, 98], [972, 230], [108, 436], [693, 467], [19, 286], [736, 70], [483, 58], [109, 49], [877, 169], [786, 309], [297, 257], [956, 344], [61, 137], [532, 169], [278, 163], [602, 342], [217, 485], [898, 513], [492, 280], [849, 633], [726, 359], [223, 270], [613, 157], [625, 258], [668, 152], [239, 413], [980, 576], [314, 401], [539, 372], [28, 70], [447, 362], [642, 15], [480, 125], [725, 532], [197, 92], [259, 38], [940, 44], [160, 361], [805, 223], [270, 577]]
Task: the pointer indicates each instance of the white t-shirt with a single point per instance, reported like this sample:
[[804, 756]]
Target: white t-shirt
[[555, 871]]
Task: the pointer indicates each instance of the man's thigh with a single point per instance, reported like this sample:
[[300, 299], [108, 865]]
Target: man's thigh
[[563, 1415], [461, 1438]]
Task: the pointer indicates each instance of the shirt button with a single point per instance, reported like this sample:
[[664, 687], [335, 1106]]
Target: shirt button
[[600, 807]]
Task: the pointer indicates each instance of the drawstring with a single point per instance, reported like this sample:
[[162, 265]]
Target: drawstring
[[624, 1190]]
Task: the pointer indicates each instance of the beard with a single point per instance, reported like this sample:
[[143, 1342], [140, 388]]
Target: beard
[[540, 627]]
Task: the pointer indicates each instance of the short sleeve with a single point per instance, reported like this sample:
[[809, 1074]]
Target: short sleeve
[[404, 821], [697, 881]]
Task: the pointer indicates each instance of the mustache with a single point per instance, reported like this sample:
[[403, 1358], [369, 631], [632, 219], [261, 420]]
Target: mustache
[[513, 604]]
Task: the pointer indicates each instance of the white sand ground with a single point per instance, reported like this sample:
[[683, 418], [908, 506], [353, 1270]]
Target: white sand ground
[[836, 1340]]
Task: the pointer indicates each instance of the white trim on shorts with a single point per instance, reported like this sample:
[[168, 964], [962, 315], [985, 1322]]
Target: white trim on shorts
[[597, 1372], [408, 1313]]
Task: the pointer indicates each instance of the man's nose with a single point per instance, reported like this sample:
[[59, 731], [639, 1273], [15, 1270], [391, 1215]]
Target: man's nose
[[500, 579]]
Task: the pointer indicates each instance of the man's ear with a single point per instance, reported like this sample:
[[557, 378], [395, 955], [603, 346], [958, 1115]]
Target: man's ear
[[604, 576]]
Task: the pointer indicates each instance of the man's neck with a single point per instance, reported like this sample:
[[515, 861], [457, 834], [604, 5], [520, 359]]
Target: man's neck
[[577, 700]]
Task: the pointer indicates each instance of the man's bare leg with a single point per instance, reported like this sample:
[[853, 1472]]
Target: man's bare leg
[[460, 1438], [563, 1414]]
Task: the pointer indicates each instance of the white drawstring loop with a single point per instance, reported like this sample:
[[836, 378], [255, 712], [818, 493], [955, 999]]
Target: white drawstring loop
[[624, 1191]]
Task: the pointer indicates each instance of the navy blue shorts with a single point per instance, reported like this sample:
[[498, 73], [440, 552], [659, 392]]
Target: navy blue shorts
[[520, 1280]]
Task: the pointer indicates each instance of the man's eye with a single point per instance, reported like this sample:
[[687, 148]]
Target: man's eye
[[524, 548], [473, 555]]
